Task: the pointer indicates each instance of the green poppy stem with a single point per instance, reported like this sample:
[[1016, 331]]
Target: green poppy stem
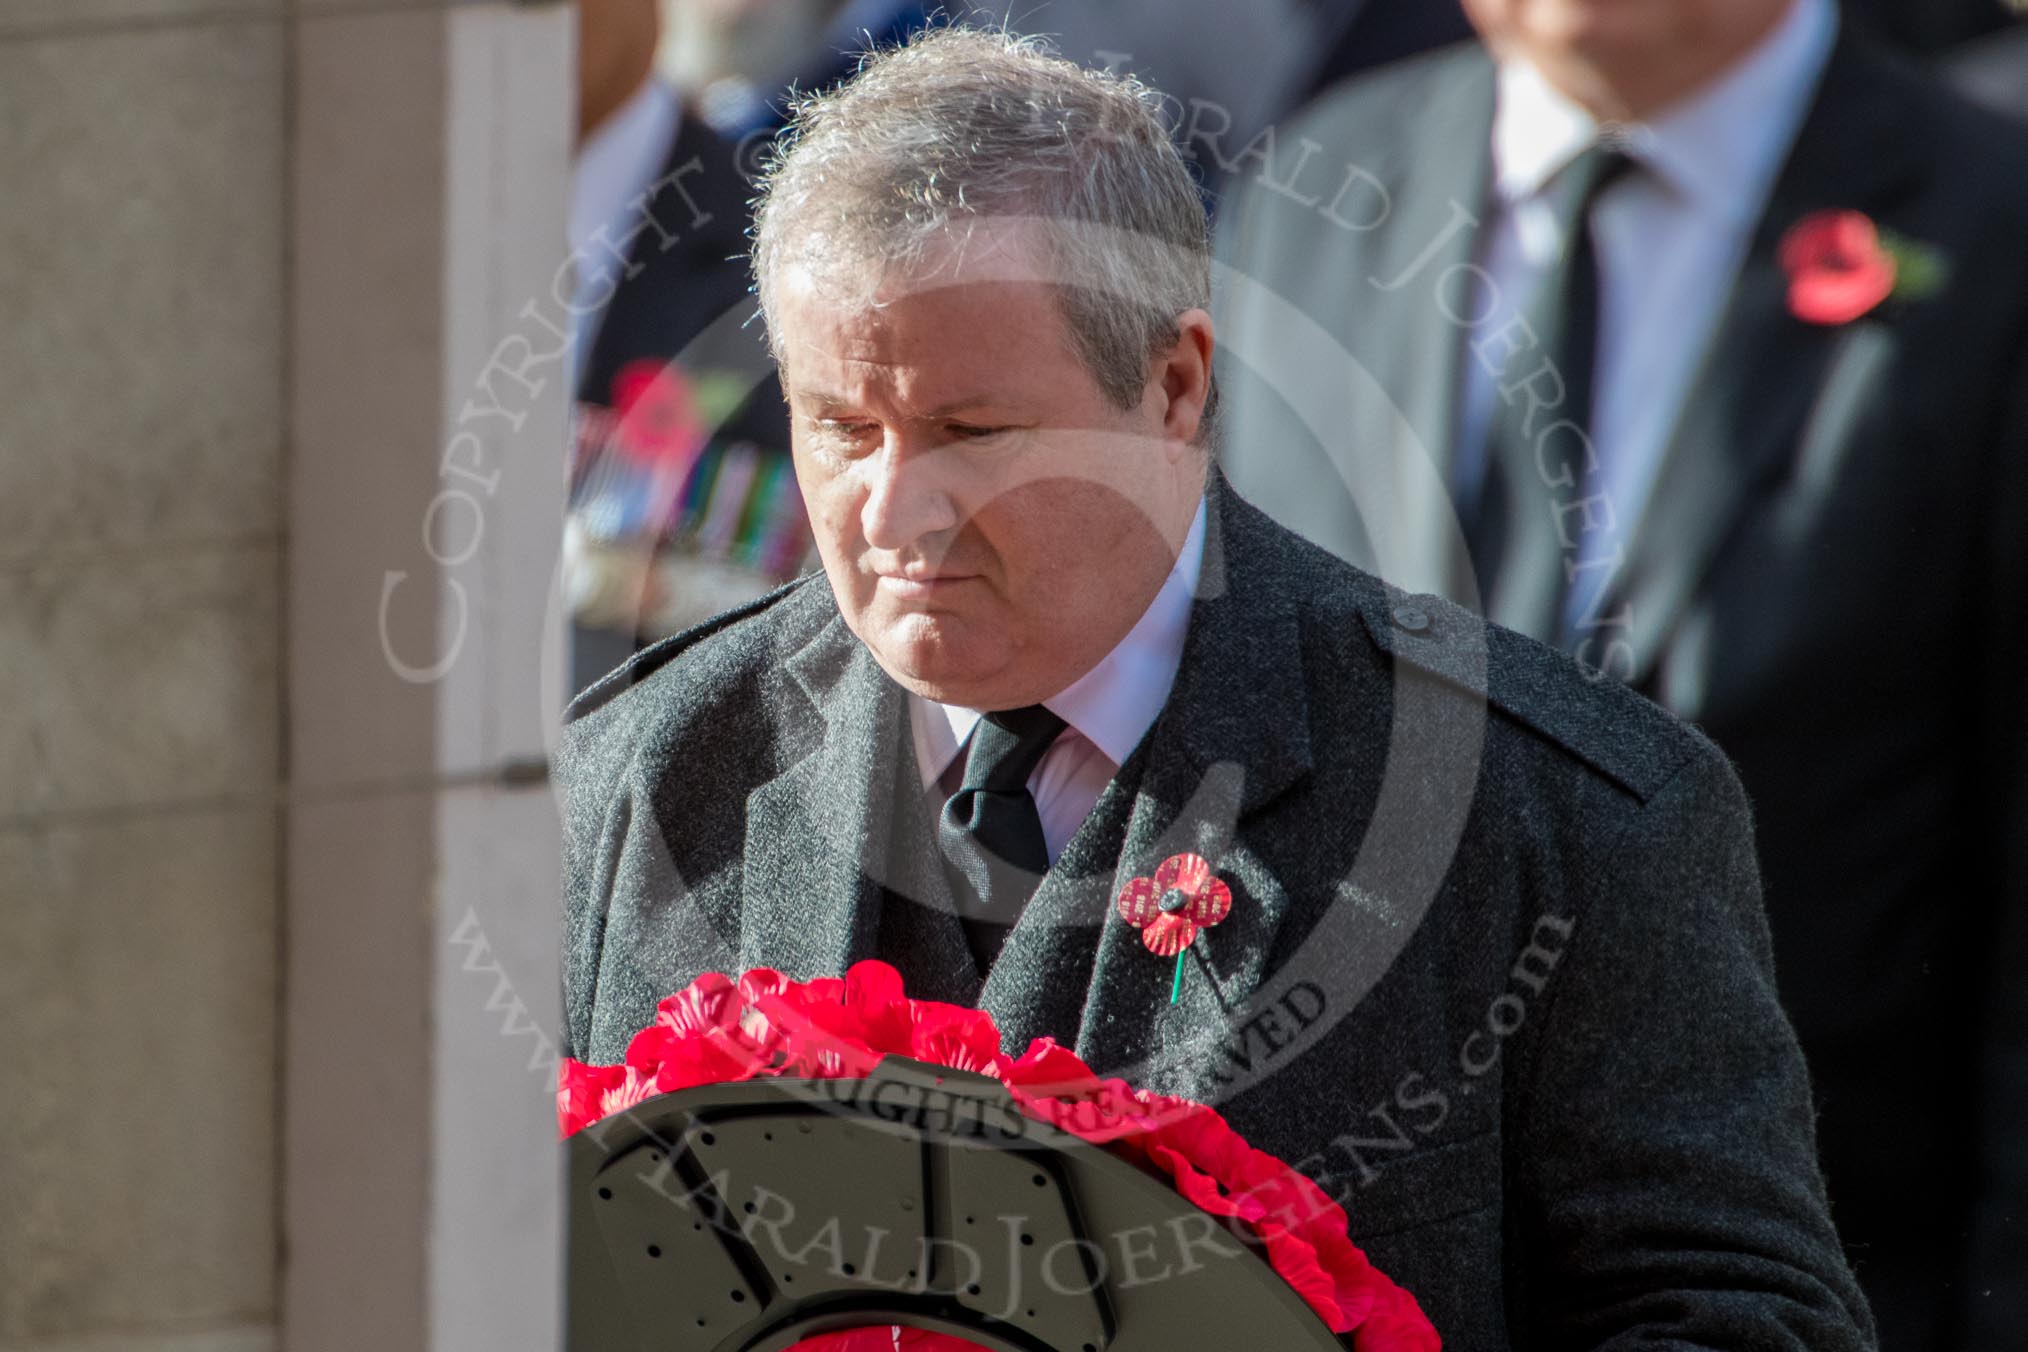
[[1176, 986]]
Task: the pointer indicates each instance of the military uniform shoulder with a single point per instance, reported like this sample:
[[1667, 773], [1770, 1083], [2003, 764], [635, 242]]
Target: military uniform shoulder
[[743, 633], [1588, 715]]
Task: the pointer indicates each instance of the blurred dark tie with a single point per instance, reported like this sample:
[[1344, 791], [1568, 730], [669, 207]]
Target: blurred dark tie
[[1513, 535], [990, 831]]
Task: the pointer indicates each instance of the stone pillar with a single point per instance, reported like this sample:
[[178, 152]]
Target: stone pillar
[[281, 478], [143, 195], [425, 486]]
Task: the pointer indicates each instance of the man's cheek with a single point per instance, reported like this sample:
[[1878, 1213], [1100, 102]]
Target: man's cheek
[[834, 515]]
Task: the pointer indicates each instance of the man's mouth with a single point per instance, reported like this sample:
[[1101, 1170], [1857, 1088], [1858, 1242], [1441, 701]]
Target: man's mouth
[[918, 584]]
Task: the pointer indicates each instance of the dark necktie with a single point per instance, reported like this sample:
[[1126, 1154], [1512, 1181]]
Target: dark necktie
[[990, 832], [1513, 535]]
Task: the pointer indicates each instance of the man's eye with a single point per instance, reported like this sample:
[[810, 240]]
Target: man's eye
[[969, 432], [835, 427]]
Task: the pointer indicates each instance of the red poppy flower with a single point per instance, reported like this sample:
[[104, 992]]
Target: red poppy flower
[[1169, 908], [1838, 269], [949, 1035], [720, 1031], [587, 1094], [658, 414]]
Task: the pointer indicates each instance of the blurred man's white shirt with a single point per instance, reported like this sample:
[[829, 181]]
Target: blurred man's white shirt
[[1670, 241]]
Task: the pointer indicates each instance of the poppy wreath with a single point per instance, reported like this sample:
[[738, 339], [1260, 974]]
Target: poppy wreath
[[720, 1031]]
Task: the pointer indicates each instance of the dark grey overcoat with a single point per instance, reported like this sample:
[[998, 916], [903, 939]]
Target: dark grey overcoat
[[1496, 973]]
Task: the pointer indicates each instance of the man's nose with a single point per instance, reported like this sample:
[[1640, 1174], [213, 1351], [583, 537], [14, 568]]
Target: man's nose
[[909, 493]]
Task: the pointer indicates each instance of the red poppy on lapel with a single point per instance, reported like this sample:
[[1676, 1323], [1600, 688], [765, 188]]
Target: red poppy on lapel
[[1838, 269], [1169, 908]]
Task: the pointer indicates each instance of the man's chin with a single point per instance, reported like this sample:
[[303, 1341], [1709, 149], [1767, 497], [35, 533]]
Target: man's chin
[[929, 656], [936, 676]]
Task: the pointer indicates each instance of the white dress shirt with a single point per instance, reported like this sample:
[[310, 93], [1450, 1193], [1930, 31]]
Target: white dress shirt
[[1108, 709], [1670, 240]]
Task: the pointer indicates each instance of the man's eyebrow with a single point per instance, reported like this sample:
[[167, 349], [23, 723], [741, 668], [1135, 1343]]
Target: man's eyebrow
[[824, 402]]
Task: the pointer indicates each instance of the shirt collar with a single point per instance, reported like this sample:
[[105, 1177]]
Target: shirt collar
[[1719, 148], [1115, 703]]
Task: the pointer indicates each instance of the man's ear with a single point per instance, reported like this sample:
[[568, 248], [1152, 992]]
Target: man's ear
[[1184, 376]]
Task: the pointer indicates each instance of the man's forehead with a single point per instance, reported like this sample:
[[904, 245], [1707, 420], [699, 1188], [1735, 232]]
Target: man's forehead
[[971, 260], [920, 312], [964, 250], [930, 368], [959, 316]]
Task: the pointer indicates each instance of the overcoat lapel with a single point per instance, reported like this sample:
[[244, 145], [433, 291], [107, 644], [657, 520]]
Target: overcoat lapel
[[920, 933], [1441, 190], [1233, 736], [816, 834], [1759, 389], [1337, 308], [1437, 189], [1037, 986]]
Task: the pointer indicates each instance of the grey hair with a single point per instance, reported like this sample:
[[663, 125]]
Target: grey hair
[[960, 124]]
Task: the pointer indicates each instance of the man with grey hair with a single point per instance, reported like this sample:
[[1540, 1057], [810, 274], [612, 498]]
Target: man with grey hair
[[1495, 971]]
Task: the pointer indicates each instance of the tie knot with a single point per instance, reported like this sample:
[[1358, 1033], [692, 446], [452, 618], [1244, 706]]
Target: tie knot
[[1596, 168], [1006, 745]]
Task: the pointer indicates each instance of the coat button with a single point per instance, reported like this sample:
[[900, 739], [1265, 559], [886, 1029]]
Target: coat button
[[1411, 618]]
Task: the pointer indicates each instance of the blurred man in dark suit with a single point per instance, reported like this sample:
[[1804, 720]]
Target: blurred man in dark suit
[[683, 499], [1692, 336], [1229, 72], [1928, 28], [1994, 70]]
